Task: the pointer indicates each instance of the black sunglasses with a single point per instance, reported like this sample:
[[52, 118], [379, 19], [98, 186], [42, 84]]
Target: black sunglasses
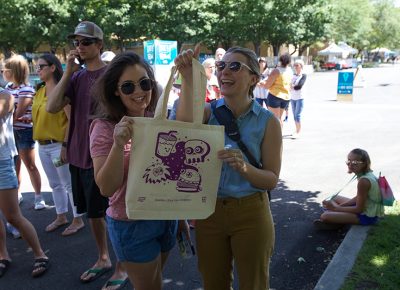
[[41, 66], [234, 66], [128, 87], [84, 42]]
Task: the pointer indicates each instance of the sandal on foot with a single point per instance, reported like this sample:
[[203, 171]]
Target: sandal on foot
[[4, 265], [118, 282], [70, 230], [97, 273], [54, 225], [40, 267]]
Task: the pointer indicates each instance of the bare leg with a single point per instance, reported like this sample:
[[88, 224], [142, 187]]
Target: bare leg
[[339, 218], [28, 157], [278, 112], [145, 276], [298, 127], [10, 208], [3, 247]]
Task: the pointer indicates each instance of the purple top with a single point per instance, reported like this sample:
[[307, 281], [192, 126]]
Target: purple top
[[82, 107]]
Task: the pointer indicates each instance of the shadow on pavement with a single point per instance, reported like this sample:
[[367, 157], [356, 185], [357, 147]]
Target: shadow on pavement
[[301, 253]]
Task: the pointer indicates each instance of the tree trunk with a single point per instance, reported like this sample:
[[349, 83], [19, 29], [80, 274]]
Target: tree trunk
[[275, 48], [302, 49], [257, 47]]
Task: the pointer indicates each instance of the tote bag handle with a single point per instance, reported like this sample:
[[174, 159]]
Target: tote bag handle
[[199, 87]]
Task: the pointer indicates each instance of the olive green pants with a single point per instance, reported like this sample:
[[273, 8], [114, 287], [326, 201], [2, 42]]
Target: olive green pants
[[240, 231]]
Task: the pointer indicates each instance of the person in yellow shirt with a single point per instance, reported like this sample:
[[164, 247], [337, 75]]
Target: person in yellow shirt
[[278, 83], [50, 130]]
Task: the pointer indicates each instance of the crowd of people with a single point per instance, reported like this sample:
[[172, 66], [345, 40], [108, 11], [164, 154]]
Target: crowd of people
[[80, 117]]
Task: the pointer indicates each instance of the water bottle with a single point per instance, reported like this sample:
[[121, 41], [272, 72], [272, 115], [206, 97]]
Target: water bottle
[[58, 162]]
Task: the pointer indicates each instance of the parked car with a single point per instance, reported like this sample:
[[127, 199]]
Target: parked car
[[338, 64]]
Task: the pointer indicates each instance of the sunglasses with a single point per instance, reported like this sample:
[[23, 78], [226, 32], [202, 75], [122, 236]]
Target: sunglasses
[[128, 87], [234, 66], [84, 42], [41, 66], [353, 162]]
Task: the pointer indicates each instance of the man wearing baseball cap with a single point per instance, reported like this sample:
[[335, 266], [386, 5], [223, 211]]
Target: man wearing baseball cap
[[75, 89]]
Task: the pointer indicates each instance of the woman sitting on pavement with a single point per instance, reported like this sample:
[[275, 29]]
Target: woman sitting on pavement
[[241, 229], [50, 130], [9, 193], [363, 209]]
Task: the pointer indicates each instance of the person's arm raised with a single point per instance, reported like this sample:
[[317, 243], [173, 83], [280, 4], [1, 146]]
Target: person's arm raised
[[267, 83], [57, 100]]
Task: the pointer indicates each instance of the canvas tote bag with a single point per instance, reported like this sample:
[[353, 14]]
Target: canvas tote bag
[[174, 170]]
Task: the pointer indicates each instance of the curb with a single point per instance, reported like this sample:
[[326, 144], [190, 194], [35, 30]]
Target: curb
[[343, 260]]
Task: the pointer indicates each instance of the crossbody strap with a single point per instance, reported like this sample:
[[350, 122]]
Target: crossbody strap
[[225, 117], [337, 193]]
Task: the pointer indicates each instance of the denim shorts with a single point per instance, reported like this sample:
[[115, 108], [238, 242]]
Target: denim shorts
[[141, 241], [23, 139], [366, 220], [275, 102], [8, 177]]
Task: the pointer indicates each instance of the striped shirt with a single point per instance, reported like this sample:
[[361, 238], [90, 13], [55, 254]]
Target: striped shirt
[[20, 92]]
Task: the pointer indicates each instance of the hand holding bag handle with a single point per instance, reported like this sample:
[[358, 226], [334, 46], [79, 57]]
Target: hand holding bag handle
[[199, 92]]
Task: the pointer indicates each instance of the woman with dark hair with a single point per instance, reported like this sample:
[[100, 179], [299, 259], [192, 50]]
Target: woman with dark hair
[[51, 131], [260, 93], [363, 209], [279, 84], [127, 89], [241, 229], [9, 193]]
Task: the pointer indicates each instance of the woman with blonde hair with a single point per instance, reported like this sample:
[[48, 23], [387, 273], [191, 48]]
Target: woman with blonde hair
[[9, 196], [16, 72]]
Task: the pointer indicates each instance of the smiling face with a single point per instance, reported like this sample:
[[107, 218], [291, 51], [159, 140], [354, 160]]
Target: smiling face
[[235, 83], [136, 102], [355, 164]]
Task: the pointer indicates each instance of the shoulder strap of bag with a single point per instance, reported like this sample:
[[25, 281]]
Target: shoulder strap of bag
[[226, 118], [340, 190]]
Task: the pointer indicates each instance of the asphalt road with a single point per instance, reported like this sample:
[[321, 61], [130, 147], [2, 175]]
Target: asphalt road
[[313, 167]]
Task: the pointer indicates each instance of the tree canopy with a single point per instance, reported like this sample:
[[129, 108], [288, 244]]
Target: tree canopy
[[365, 24]]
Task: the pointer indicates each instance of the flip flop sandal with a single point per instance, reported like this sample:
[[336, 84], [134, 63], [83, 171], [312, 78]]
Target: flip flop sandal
[[118, 282], [40, 266], [5, 264], [71, 230], [54, 225], [97, 273]]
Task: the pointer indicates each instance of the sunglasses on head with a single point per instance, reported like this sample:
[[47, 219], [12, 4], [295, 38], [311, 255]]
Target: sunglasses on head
[[128, 87], [234, 66], [84, 42]]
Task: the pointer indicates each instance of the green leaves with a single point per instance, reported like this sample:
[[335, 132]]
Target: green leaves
[[361, 23]]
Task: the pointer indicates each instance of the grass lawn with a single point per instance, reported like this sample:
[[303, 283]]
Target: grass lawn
[[378, 262]]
